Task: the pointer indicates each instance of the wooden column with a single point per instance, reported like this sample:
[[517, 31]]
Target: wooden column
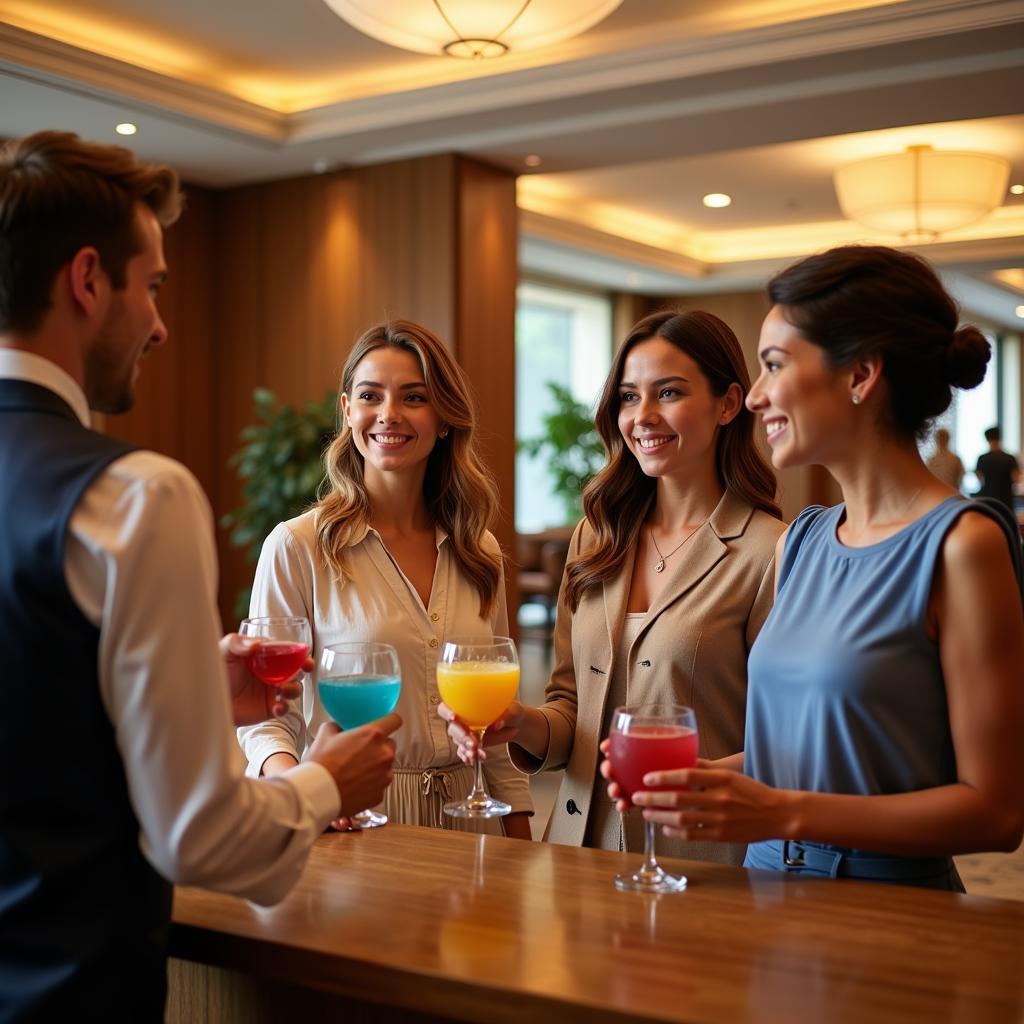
[[486, 271]]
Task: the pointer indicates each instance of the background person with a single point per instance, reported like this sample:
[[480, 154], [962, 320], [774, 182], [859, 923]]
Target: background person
[[997, 471], [127, 773], [945, 463], [885, 706], [397, 551], [669, 576]]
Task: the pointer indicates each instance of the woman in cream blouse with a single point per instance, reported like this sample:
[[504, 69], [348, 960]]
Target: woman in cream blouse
[[669, 576], [397, 551]]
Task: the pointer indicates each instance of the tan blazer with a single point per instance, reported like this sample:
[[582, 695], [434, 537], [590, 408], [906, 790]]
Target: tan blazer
[[692, 649]]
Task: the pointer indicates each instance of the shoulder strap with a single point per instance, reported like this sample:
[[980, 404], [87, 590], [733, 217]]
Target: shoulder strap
[[1008, 521]]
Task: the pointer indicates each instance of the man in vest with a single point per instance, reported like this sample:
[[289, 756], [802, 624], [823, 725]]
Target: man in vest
[[122, 773]]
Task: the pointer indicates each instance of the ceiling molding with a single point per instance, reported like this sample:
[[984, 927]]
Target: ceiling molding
[[581, 236], [38, 58], [641, 57]]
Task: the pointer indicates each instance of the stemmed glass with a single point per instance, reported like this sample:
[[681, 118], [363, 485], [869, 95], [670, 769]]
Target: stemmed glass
[[359, 682], [478, 680], [284, 650], [650, 738]]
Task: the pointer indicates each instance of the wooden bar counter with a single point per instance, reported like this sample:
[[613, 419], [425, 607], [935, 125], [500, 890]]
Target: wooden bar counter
[[410, 924]]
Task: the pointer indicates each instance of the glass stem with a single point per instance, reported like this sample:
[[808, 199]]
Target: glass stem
[[478, 782], [650, 861]]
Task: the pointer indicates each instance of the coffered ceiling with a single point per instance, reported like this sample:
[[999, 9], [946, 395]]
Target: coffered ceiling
[[633, 121]]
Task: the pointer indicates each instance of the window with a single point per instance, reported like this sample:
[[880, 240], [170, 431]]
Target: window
[[563, 337]]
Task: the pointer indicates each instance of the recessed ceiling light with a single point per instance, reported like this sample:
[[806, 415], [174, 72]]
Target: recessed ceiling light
[[532, 160], [716, 200], [1017, 190], [1020, 312], [125, 128]]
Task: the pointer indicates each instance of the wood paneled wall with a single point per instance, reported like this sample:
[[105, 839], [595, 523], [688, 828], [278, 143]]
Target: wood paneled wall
[[270, 285]]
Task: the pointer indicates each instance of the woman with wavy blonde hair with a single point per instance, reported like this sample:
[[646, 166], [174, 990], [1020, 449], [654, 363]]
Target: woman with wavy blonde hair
[[669, 574], [396, 550]]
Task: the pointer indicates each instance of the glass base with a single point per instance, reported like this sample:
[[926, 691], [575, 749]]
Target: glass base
[[646, 880], [478, 807], [369, 819]]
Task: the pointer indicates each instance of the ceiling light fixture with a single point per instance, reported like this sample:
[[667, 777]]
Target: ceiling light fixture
[[125, 128], [532, 160], [1020, 312], [923, 192], [1017, 190], [717, 200], [469, 28]]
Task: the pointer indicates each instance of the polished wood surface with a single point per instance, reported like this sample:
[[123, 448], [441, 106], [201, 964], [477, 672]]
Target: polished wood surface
[[489, 929]]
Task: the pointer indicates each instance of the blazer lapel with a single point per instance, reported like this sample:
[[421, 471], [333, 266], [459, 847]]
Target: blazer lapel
[[708, 548], [616, 595]]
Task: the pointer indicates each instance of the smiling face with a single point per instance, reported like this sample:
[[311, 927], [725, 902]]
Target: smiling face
[[394, 426], [668, 416], [131, 326], [804, 403]]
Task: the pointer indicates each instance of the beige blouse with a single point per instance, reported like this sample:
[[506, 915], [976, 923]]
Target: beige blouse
[[380, 604]]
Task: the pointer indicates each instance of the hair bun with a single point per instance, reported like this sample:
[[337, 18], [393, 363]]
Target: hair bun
[[966, 358]]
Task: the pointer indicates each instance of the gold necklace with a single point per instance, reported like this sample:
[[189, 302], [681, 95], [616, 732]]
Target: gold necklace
[[659, 565]]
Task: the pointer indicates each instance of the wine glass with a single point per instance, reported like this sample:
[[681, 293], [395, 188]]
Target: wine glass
[[284, 650], [650, 738], [478, 680], [359, 682]]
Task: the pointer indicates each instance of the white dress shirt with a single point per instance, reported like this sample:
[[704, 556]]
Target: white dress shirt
[[141, 565]]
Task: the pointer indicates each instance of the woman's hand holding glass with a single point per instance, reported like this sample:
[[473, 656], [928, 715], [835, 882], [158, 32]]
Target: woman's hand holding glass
[[710, 804], [648, 739], [504, 729], [477, 679]]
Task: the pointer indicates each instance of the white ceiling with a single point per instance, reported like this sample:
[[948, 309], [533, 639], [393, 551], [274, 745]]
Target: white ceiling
[[634, 120]]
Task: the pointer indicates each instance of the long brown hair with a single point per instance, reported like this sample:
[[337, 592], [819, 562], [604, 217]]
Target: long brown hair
[[459, 491], [618, 498]]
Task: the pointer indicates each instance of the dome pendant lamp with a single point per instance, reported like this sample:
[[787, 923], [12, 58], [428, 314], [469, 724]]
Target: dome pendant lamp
[[474, 29], [922, 193]]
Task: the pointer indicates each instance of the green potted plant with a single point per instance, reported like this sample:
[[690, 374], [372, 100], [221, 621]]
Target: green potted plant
[[573, 449], [281, 469]]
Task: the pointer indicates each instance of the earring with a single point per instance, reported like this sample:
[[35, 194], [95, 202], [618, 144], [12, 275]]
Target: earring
[[855, 398], [443, 434]]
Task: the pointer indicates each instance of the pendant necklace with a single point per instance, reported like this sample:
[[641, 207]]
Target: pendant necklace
[[659, 565]]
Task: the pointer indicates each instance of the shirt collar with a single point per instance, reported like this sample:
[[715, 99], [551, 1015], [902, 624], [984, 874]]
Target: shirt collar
[[16, 364], [440, 535]]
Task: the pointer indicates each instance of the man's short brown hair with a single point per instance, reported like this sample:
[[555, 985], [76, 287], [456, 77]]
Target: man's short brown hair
[[58, 195]]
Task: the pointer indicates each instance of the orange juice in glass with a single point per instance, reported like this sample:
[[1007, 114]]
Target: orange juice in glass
[[478, 680]]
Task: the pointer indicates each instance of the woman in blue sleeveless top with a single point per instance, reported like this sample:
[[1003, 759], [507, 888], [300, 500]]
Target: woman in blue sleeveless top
[[885, 709]]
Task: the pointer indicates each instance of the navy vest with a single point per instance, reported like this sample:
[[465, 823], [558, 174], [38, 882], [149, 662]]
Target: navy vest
[[83, 916]]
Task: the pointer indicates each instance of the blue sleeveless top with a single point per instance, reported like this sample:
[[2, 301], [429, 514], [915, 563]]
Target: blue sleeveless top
[[845, 689]]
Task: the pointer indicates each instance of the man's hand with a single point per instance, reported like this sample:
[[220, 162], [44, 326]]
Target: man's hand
[[359, 760], [253, 701]]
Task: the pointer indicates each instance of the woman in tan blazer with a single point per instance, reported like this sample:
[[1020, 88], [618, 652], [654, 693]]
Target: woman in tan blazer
[[669, 576]]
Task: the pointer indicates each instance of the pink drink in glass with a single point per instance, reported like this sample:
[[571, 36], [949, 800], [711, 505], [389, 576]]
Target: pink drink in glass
[[276, 661], [650, 748]]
